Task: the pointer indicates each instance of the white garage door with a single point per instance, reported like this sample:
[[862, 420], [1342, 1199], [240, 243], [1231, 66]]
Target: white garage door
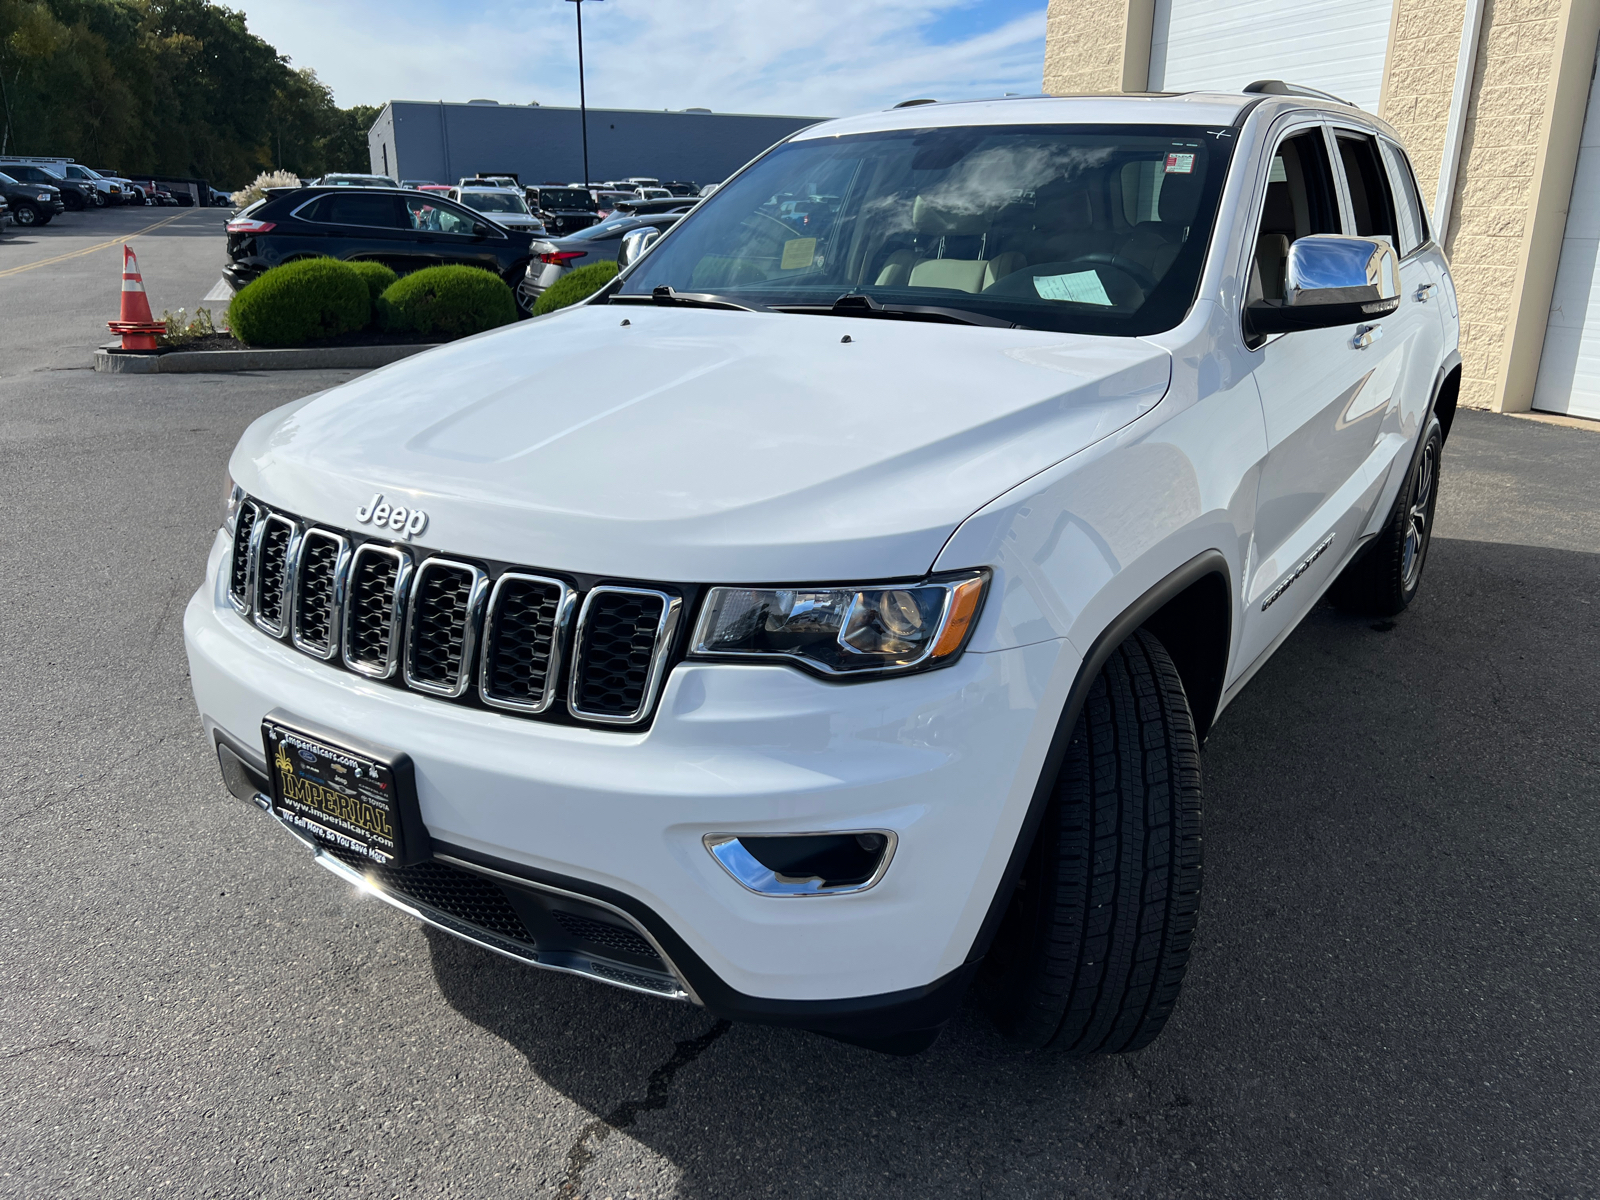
[[1335, 45], [1569, 371]]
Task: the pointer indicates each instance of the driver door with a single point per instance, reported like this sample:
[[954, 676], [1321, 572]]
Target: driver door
[[1324, 397]]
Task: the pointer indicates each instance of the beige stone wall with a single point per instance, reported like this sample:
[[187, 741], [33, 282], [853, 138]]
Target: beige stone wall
[[1519, 146], [1097, 46]]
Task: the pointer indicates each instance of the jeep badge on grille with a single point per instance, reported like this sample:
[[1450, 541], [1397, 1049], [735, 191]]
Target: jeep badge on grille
[[407, 522]]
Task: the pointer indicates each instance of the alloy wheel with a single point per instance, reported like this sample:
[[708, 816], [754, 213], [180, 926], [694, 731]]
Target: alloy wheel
[[1419, 512]]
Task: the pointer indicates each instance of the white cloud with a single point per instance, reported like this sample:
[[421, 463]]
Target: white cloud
[[802, 57]]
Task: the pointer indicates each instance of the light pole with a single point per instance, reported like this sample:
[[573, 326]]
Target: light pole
[[583, 106]]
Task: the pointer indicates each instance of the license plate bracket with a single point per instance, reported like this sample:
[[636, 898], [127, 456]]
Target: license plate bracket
[[346, 791]]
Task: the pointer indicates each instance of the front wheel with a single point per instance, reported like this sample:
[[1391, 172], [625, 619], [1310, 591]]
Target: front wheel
[[26, 214], [1385, 576], [1093, 949]]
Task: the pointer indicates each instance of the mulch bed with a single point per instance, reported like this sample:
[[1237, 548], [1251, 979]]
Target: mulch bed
[[226, 341]]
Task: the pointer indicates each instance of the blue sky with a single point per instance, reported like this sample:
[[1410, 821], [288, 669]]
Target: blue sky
[[802, 57]]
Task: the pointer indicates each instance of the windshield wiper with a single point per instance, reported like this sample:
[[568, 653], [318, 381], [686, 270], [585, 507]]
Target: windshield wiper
[[857, 305], [666, 295]]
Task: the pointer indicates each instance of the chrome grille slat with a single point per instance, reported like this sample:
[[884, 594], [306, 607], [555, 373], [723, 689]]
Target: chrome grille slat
[[275, 539], [239, 568], [318, 592], [622, 642], [442, 626], [375, 603], [523, 636]]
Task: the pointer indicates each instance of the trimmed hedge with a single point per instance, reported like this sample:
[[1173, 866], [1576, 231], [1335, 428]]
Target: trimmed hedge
[[378, 278], [301, 302], [449, 301], [574, 286]]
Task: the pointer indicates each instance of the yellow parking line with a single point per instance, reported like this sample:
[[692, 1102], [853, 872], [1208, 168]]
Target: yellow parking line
[[45, 262]]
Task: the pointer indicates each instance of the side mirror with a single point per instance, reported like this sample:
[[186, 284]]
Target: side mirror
[[635, 244], [1331, 280], [479, 229]]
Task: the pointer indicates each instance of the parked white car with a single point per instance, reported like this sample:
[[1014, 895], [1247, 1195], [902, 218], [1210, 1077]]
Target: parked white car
[[502, 205], [827, 615]]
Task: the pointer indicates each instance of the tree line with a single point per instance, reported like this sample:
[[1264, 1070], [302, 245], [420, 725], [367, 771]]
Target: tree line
[[166, 87]]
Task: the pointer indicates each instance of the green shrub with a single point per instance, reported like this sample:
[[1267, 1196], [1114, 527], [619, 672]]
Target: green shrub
[[574, 286], [450, 302], [377, 276], [301, 302]]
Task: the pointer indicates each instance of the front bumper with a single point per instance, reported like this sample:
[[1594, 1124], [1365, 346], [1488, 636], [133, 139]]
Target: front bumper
[[947, 760]]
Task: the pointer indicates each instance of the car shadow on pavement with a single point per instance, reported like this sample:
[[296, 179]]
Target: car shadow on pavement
[[1392, 990]]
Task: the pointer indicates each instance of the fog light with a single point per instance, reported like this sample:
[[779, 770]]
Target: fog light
[[805, 864]]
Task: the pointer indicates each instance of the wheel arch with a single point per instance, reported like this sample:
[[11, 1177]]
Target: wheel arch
[[1446, 392], [1193, 607]]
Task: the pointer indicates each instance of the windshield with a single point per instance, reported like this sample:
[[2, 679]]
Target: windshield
[[494, 202], [8, 181], [1094, 229], [566, 198]]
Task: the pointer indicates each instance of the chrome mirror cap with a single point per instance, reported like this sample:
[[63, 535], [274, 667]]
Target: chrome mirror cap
[[1326, 268], [635, 244]]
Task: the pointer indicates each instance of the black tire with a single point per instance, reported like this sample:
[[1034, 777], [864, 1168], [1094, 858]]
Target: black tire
[[27, 214], [1092, 952], [1385, 576], [74, 201]]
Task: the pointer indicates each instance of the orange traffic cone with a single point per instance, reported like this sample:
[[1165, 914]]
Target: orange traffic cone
[[137, 328]]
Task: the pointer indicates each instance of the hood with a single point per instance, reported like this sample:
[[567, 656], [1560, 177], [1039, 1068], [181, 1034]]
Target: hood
[[697, 445]]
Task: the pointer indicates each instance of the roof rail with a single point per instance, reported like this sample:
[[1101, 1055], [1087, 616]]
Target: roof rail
[[1277, 87]]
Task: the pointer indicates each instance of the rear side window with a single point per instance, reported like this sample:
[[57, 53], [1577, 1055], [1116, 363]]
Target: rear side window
[[1413, 217], [1371, 204], [357, 208]]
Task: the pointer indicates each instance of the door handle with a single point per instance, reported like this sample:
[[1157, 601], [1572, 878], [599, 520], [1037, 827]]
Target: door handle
[[1366, 335], [1423, 292]]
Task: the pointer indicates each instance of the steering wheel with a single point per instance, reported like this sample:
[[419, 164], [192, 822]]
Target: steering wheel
[[1117, 262]]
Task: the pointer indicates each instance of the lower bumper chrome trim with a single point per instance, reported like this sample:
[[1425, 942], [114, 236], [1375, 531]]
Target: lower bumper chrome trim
[[614, 974]]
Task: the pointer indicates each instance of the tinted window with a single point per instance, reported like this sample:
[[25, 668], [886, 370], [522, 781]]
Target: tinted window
[[1370, 201], [1412, 215], [1299, 201], [356, 208]]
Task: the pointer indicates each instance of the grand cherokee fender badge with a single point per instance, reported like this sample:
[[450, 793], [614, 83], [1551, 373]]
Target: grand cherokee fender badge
[[407, 522], [1304, 566]]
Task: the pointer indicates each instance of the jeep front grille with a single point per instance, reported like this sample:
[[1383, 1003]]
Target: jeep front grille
[[500, 637]]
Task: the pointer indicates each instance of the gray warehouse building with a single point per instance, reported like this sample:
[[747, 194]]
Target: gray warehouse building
[[418, 139]]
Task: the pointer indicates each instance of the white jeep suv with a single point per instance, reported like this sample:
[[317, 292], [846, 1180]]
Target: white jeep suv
[[826, 617]]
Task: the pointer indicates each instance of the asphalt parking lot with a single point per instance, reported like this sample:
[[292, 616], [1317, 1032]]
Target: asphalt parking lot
[[1394, 991]]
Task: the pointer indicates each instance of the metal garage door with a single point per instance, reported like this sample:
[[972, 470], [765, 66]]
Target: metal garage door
[[1335, 45], [1569, 370]]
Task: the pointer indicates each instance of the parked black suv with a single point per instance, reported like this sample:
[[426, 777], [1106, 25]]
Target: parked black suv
[[30, 203], [402, 229], [73, 195], [564, 210]]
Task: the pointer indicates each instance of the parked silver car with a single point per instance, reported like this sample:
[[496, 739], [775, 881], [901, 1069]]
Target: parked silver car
[[502, 205], [599, 243]]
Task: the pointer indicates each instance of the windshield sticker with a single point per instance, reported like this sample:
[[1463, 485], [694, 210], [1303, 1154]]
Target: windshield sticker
[[1180, 164], [797, 253], [1081, 287]]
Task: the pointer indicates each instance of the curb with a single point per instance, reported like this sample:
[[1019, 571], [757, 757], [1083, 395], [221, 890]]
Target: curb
[[186, 362]]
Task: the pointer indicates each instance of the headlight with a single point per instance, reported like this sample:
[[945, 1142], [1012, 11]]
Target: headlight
[[232, 498], [881, 629], [43, 196]]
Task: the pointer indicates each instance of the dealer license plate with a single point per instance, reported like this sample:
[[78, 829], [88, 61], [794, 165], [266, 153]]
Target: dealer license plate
[[361, 799]]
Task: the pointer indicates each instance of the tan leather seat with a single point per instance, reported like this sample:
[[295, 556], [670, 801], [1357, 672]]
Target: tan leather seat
[[935, 223]]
